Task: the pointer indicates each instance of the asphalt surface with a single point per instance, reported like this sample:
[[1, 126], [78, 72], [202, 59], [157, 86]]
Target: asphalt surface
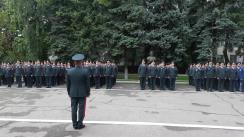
[[124, 104]]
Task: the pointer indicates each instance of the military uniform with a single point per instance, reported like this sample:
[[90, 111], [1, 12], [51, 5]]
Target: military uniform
[[1, 75], [48, 75], [190, 72], [152, 73], [54, 75], [197, 76], [233, 74], [172, 74], [210, 74], [108, 76], [59, 75], [142, 72], [241, 75], [238, 82], [9, 75], [78, 87], [19, 71], [103, 81], [97, 76], [161, 74], [221, 73], [29, 74], [227, 79], [38, 75], [115, 73]]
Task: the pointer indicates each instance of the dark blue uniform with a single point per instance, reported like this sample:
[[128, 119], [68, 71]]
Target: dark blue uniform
[[108, 76], [233, 77], [97, 76], [9, 74], [19, 71], [38, 72], [29, 73], [78, 87], [210, 74], [1, 75], [197, 75], [161, 74], [142, 72], [152, 73], [221, 76], [48, 75], [172, 74]]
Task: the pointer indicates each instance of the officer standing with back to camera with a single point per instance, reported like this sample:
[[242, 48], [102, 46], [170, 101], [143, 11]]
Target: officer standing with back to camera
[[78, 87]]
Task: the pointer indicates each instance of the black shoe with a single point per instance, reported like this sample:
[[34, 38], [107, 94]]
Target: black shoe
[[81, 126], [75, 127]]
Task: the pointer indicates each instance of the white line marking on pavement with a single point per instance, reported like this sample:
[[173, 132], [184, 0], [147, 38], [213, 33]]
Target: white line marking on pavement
[[126, 123]]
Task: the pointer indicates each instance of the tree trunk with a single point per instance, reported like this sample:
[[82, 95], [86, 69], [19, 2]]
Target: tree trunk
[[226, 58], [126, 64]]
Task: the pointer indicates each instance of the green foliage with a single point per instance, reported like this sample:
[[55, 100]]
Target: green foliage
[[176, 30]]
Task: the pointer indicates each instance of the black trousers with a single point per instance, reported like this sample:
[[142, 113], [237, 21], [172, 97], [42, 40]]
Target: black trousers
[[226, 84], [108, 80], [152, 83], [238, 82], [19, 81], [143, 83], [158, 82], [162, 83], [29, 81], [172, 83], [209, 84], [9, 81], [48, 81], [221, 84], [54, 80], [198, 84], [1, 79], [78, 104], [191, 81], [232, 84], [97, 82], [38, 81]]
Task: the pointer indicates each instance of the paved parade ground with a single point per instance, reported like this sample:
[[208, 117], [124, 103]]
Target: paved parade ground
[[123, 112]]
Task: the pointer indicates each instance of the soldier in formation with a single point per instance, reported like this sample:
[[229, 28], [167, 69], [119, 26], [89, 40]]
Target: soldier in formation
[[36, 74], [161, 75], [47, 74], [217, 77]]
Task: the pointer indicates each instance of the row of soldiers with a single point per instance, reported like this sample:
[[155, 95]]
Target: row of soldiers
[[33, 73], [161, 75], [102, 74], [48, 74], [221, 77]]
